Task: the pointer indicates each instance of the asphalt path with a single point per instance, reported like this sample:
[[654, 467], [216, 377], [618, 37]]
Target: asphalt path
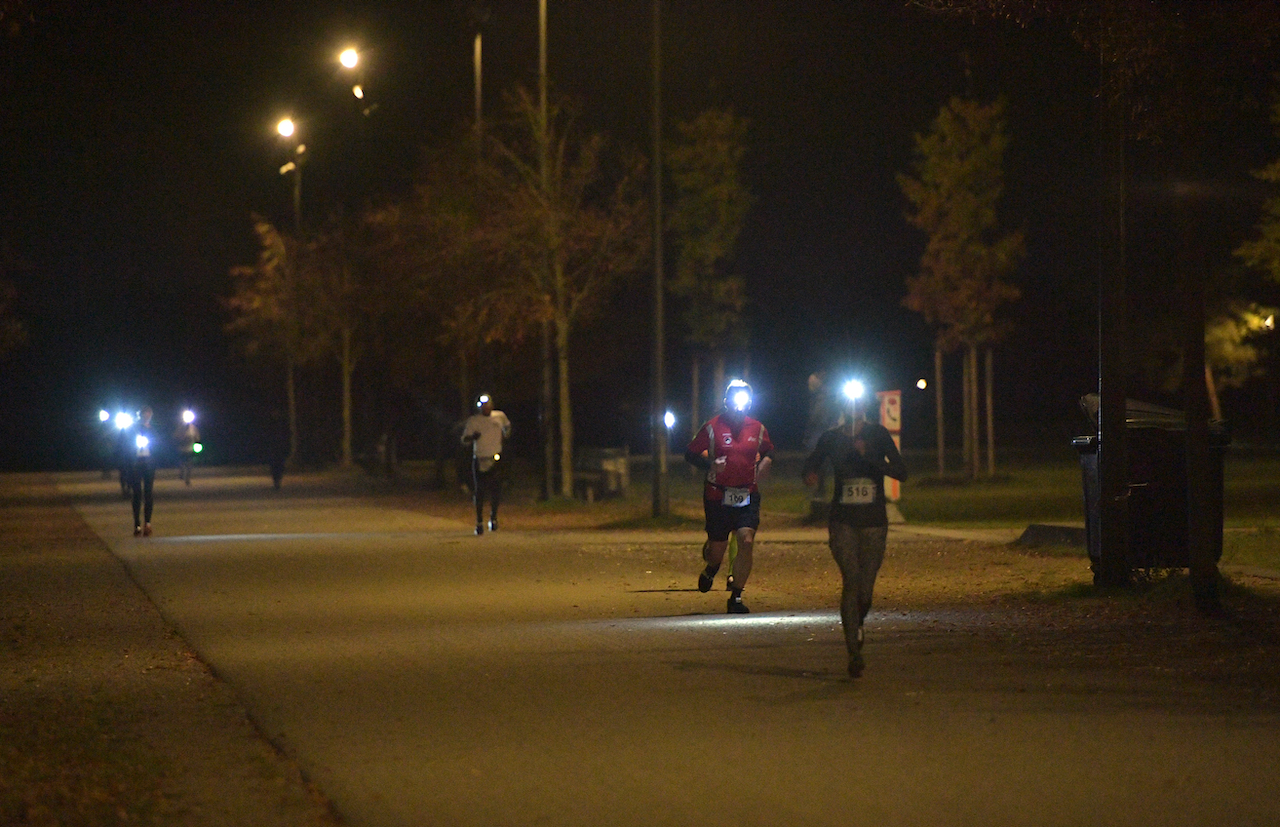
[[424, 676]]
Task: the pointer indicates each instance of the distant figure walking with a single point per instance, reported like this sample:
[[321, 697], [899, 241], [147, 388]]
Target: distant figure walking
[[185, 439], [485, 430], [142, 445], [277, 446]]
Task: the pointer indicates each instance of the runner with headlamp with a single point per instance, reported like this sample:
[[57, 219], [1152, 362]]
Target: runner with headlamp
[[484, 432], [734, 450], [142, 447], [862, 454]]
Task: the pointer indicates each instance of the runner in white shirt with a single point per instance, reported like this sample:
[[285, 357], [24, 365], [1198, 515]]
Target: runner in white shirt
[[485, 431]]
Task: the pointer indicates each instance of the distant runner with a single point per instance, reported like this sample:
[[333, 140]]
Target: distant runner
[[485, 431], [734, 450]]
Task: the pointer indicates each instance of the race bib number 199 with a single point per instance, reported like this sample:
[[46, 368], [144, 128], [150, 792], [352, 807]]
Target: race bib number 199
[[737, 497], [861, 491]]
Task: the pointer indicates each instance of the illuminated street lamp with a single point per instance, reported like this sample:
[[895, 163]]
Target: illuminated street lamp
[[287, 129], [349, 59]]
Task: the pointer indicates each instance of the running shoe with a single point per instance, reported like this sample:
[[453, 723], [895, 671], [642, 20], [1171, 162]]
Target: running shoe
[[137, 531], [146, 530], [479, 529], [493, 525], [737, 607], [728, 583], [856, 665], [705, 580]]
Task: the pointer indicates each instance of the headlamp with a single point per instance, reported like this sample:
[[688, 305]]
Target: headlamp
[[188, 416], [853, 390], [484, 397], [124, 420], [737, 397], [103, 416]]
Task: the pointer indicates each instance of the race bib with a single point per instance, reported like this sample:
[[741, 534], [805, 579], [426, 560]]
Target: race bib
[[737, 497], [860, 491]]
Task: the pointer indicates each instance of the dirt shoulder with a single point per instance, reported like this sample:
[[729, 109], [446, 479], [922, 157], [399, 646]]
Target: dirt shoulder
[[105, 716]]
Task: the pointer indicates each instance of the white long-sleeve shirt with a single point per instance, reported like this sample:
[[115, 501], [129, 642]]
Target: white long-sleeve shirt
[[493, 429]]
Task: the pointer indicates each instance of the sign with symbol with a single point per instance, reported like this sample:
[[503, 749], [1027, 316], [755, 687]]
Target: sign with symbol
[[891, 419]]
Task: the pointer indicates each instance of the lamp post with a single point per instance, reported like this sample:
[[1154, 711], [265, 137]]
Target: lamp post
[[287, 129], [349, 59], [660, 429]]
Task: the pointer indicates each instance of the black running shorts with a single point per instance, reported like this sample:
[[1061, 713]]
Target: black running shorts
[[723, 520]]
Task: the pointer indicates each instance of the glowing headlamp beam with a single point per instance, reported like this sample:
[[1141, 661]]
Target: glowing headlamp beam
[[853, 389]]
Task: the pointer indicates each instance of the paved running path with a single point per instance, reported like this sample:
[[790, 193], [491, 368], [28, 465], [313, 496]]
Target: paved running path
[[424, 676]]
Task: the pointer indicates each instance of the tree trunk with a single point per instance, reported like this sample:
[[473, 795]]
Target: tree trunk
[[348, 367], [991, 423], [464, 382], [1112, 567], [718, 379], [546, 401], [566, 411], [1215, 407], [695, 418], [975, 413], [1204, 481], [970, 450], [938, 409], [562, 323], [291, 399]]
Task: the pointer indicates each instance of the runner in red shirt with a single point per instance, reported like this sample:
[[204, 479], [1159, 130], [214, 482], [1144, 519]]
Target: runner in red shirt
[[734, 450]]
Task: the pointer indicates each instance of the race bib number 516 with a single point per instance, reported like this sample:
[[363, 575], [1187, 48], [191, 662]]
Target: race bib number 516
[[861, 491]]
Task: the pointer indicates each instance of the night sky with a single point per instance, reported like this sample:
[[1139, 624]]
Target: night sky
[[137, 139]]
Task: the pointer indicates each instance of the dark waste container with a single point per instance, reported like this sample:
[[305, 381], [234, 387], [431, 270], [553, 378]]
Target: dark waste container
[[1157, 480]]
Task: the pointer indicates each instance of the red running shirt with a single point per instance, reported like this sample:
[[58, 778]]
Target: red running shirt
[[742, 448]]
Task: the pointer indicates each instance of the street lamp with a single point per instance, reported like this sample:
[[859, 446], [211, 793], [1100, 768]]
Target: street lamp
[[349, 59], [287, 129]]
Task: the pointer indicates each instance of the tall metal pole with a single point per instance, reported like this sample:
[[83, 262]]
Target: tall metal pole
[[658, 425], [479, 124], [548, 441]]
